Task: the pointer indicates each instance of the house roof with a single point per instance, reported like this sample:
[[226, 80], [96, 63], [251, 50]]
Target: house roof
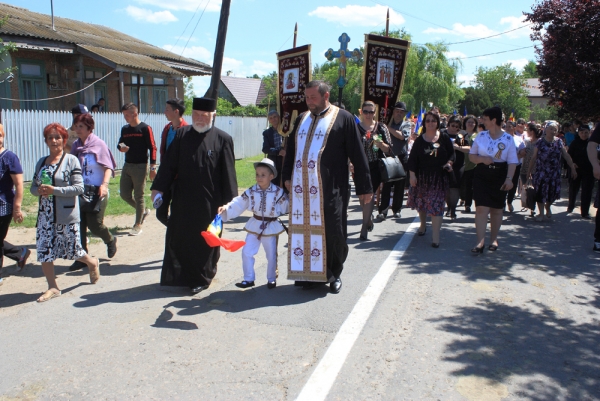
[[533, 87], [245, 90], [106, 42]]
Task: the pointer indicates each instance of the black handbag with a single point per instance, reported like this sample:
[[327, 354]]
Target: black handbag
[[390, 168], [89, 200]]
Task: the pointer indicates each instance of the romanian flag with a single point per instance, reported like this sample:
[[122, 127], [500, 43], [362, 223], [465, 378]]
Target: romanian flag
[[408, 115], [454, 112], [212, 236], [512, 116]]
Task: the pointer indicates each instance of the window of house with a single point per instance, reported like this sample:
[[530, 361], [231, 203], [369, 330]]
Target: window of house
[[159, 99], [32, 85], [158, 81]]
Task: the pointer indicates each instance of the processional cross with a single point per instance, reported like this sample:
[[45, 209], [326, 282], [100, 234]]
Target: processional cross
[[343, 54]]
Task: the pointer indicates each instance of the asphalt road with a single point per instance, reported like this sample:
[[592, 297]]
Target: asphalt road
[[520, 323]]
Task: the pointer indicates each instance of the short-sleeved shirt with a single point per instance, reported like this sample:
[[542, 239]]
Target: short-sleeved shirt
[[519, 144], [9, 164], [501, 150], [93, 173], [399, 147]]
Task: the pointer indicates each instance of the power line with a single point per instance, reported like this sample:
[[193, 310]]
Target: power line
[[192, 34], [188, 24], [449, 29], [490, 54]]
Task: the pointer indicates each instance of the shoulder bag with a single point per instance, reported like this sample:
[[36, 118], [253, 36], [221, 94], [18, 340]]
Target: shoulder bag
[[89, 200], [390, 167]]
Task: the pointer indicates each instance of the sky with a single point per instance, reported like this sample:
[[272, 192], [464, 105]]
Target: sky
[[258, 29]]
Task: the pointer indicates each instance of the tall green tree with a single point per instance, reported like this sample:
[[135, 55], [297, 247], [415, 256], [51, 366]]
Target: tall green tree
[[475, 101], [504, 86], [188, 95], [270, 83], [351, 95], [431, 78], [530, 70]]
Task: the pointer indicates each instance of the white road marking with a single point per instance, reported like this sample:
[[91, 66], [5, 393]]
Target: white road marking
[[319, 383]]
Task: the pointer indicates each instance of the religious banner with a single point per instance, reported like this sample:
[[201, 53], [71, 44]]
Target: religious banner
[[383, 72], [294, 74]]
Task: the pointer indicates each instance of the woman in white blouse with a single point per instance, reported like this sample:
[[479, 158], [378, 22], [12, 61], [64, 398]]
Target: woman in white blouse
[[495, 154]]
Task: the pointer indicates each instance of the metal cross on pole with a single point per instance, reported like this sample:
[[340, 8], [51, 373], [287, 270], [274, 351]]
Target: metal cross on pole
[[343, 54]]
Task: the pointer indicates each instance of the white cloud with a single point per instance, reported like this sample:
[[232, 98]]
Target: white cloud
[[196, 52], [518, 64], [466, 80], [184, 5], [354, 15], [467, 31], [513, 23], [201, 84], [455, 54], [483, 58], [262, 68], [154, 17]]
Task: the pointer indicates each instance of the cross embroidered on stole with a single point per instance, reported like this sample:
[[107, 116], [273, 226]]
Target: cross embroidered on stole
[[307, 258]]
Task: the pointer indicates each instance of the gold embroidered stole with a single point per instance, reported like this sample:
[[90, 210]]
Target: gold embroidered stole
[[307, 258]]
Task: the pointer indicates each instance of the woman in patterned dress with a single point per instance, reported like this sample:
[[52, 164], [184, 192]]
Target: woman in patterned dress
[[547, 161], [429, 163], [58, 183]]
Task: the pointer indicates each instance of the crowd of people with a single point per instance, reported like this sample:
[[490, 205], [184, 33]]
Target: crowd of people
[[482, 159]]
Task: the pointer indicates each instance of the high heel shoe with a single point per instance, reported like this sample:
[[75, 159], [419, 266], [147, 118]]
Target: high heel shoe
[[435, 245], [477, 249], [422, 233], [493, 248]]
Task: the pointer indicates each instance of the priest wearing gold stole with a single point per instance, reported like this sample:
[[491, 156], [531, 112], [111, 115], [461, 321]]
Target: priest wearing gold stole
[[315, 173]]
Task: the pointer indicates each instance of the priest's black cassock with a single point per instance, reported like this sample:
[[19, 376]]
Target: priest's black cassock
[[343, 143], [202, 167]]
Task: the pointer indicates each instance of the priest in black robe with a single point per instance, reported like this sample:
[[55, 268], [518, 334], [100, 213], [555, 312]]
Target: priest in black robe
[[201, 164], [315, 172]]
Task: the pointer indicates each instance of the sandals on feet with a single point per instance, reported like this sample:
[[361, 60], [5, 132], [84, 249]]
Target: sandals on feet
[[95, 273], [48, 295]]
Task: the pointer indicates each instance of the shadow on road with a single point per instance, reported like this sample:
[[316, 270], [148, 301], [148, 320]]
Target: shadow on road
[[499, 340]]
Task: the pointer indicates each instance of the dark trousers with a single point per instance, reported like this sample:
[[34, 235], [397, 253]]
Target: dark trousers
[[467, 187], [95, 222], [162, 213], [515, 182], [337, 252], [398, 196], [6, 249], [586, 183]]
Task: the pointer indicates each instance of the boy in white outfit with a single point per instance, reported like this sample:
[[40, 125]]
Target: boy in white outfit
[[267, 201]]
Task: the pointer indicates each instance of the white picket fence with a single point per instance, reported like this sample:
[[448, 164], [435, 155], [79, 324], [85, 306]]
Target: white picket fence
[[24, 133]]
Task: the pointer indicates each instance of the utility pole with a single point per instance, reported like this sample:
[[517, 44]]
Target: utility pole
[[213, 90]]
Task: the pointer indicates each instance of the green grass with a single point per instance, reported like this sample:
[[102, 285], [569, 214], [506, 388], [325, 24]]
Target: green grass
[[117, 206], [244, 169]]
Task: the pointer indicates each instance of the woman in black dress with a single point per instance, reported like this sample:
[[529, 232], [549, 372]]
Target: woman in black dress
[[376, 139], [429, 163], [458, 141]]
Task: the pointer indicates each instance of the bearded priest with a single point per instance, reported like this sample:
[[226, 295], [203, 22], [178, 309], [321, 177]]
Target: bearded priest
[[315, 172], [201, 163]]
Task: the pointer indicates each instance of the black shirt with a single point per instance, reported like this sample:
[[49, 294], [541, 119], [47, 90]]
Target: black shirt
[[140, 140]]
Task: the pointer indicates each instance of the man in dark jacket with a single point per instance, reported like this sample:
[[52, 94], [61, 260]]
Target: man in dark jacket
[[585, 173], [274, 145]]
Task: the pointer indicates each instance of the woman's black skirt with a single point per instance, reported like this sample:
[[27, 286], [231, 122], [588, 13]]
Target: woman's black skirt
[[487, 183], [375, 175]]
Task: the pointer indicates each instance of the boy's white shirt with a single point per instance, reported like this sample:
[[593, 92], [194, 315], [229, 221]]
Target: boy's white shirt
[[276, 203]]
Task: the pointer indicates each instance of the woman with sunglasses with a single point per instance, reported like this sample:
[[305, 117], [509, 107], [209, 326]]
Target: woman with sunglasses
[[470, 132], [429, 164], [376, 139], [495, 153]]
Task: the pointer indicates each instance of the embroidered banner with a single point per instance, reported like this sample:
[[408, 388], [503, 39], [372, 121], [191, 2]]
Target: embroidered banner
[[383, 72], [294, 74], [307, 257]]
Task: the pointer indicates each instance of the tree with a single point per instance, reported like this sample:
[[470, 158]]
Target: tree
[[270, 84], [568, 58], [188, 95], [475, 101], [351, 95], [530, 70], [431, 78], [543, 113], [504, 86]]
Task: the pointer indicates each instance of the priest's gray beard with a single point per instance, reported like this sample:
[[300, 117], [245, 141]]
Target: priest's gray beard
[[202, 127]]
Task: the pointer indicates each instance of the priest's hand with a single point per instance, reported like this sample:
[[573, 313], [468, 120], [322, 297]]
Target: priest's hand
[[288, 185], [154, 193], [282, 152], [365, 198], [220, 209]]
